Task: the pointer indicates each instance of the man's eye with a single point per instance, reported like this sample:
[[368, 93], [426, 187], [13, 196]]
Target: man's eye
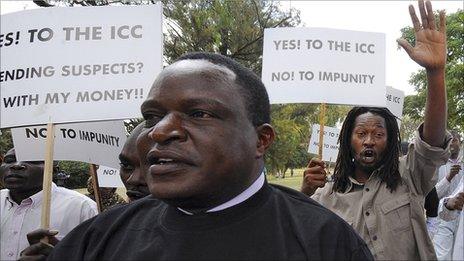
[[9, 160], [151, 120], [200, 114], [125, 166]]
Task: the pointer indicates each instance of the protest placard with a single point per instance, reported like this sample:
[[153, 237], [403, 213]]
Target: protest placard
[[78, 64], [109, 177], [92, 142], [322, 65], [395, 101], [330, 138]]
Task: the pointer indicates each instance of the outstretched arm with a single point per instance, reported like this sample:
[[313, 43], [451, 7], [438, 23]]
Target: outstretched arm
[[430, 52]]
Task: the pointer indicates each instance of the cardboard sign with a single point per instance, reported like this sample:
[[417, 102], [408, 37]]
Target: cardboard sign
[[78, 64], [395, 101], [330, 149], [109, 177], [93, 142], [321, 65]]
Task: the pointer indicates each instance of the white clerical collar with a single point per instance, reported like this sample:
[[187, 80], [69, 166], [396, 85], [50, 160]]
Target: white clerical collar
[[246, 194]]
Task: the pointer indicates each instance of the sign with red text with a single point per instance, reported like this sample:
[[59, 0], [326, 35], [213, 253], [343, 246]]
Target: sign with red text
[[78, 64], [322, 65], [92, 142]]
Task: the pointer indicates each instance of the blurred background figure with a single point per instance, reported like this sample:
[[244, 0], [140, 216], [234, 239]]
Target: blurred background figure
[[131, 174], [108, 196], [449, 177], [60, 178]]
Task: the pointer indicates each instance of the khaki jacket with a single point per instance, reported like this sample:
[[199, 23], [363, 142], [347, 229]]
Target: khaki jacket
[[392, 224]]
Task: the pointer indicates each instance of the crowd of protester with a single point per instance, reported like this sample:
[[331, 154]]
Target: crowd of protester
[[196, 185]]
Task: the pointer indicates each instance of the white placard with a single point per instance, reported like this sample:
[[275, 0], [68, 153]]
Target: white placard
[[395, 101], [330, 149], [92, 142], [78, 64], [109, 178], [315, 65]]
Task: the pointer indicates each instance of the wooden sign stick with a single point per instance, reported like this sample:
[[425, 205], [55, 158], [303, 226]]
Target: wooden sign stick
[[47, 177], [321, 128], [96, 190]]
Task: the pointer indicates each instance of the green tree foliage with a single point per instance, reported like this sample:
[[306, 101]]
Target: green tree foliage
[[293, 123], [78, 173], [414, 104], [6, 142], [231, 28]]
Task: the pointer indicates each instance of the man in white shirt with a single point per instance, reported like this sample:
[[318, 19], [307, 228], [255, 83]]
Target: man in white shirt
[[449, 176], [451, 209], [21, 205]]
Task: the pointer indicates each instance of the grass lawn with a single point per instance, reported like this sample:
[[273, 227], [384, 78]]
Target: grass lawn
[[291, 182]]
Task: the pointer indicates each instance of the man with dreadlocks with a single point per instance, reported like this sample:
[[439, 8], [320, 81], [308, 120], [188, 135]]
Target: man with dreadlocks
[[377, 193]]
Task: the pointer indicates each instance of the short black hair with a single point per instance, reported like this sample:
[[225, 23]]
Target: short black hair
[[344, 167], [253, 90]]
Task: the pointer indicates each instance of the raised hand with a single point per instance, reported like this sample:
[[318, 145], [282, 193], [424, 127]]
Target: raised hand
[[430, 47]]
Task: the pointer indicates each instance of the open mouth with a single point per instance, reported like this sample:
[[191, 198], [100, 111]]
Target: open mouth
[[167, 162], [368, 156], [162, 161]]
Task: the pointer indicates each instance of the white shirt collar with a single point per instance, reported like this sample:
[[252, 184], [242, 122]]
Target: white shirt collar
[[34, 199], [246, 194]]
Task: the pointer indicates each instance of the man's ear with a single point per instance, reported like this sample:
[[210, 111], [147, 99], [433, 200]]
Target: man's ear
[[266, 137]]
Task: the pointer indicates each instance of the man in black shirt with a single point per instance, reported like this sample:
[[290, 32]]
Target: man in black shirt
[[207, 129]]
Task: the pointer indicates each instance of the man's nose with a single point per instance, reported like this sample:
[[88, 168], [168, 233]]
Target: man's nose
[[369, 140], [17, 166], [136, 178], [169, 129]]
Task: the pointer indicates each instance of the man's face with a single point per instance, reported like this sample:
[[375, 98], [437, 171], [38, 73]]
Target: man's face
[[368, 141], [21, 176], [455, 145], [199, 147], [130, 172]]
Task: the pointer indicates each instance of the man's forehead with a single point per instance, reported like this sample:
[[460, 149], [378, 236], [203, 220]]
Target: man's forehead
[[198, 66], [369, 118]]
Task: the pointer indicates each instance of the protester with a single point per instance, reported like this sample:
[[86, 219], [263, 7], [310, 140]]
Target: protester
[[374, 190], [451, 208], [108, 196], [131, 175], [202, 147], [132, 178], [449, 175], [21, 205]]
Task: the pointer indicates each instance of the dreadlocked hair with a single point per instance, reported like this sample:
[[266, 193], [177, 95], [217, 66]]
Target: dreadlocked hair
[[345, 166]]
